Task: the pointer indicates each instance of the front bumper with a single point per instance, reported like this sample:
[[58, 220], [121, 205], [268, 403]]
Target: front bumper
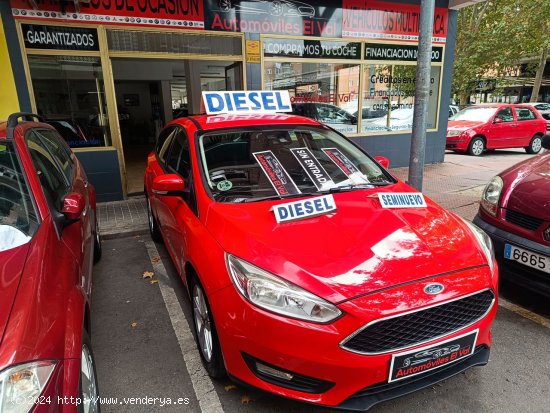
[[313, 351], [513, 271], [456, 144]]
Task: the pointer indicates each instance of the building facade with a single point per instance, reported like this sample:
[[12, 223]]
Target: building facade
[[110, 73]]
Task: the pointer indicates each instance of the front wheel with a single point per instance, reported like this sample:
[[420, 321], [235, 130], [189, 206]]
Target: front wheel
[[535, 145], [88, 390], [97, 242], [477, 146], [153, 225], [206, 335]]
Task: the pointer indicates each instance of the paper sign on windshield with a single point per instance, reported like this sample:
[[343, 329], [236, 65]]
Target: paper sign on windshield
[[276, 173], [313, 168], [402, 200], [305, 208]]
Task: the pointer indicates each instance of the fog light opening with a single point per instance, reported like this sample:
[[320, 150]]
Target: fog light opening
[[270, 371]]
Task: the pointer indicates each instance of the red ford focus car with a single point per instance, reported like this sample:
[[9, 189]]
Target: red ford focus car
[[495, 126], [313, 273], [515, 212], [48, 241]]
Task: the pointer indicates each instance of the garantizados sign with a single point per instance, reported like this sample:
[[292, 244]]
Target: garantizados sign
[[61, 38]]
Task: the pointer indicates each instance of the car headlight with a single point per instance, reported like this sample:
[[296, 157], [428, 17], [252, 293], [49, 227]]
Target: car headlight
[[484, 242], [20, 386], [277, 295], [454, 132], [491, 195]]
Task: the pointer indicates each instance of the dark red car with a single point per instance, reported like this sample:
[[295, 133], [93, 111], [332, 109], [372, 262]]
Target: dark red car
[[495, 126], [49, 240], [515, 212]]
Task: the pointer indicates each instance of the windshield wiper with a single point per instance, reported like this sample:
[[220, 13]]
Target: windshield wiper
[[288, 196]]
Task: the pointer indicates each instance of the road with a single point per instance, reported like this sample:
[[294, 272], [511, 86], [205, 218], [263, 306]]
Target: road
[[146, 356]]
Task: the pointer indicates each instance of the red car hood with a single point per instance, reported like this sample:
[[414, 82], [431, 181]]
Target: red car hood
[[462, 124], [528, 186], [12, 262], [360, 248]]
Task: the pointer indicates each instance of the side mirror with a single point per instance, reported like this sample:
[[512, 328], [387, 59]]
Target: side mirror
[[168, 184], [546, 141], [498, 120], [73, 206], [382, 160]]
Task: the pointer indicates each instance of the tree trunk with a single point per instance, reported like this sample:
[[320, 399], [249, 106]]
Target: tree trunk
[[538, 76]]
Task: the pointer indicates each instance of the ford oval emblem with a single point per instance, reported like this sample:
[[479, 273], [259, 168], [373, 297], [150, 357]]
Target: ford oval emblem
[[434, 288]]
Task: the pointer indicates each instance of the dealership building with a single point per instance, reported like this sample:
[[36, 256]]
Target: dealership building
[[110, 73]]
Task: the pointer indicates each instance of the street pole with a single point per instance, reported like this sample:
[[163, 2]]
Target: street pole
[[422, 94]]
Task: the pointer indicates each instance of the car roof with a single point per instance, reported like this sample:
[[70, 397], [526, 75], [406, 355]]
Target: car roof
[[214, 122], [24, 124]]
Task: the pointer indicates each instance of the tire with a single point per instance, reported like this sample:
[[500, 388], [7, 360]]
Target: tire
[[206, 335], [88, 391], [535, 145], [153, 224], [477, 146], [97, 242]]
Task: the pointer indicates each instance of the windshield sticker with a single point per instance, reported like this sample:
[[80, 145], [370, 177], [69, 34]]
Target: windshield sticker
[[224, 185], [402, 200], [345, 165], [305, 208], [277, 175], [313, 168]]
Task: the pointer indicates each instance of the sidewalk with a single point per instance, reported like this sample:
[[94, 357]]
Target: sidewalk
[[455, 184]]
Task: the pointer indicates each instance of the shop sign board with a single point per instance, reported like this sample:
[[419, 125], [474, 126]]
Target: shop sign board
[[399, 52], [389, 21], [186, 14], [61, 38], [312, 49], [253, 51], [287, 17], [255, 101]]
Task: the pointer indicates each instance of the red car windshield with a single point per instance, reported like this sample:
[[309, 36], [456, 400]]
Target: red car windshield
[[18, 219], [479, 114], [255, 164]]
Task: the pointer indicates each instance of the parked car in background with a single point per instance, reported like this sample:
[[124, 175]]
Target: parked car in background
[[328, 114], [49, 239], [453, 110], [544, 110], [515, 212], [494, 126]]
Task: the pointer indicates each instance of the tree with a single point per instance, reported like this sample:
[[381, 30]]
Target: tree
[[496, 35]]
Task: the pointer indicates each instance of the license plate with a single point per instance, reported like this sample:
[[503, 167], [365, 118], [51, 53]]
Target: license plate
[[531, 259], [422, 360]]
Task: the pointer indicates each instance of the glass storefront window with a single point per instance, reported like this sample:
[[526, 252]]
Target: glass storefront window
[[70, 95], [327, 92], [388, 98]]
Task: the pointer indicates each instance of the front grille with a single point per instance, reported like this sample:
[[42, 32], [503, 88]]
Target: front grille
[[420, 326], [522, 220]]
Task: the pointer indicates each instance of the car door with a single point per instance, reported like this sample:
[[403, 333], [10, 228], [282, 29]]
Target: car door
[[182, 209], [155, 167], [78, 183], [65, 251], [527, 125], [502, 130]]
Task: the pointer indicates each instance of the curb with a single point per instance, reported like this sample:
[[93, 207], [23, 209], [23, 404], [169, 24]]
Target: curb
[[124, 234]]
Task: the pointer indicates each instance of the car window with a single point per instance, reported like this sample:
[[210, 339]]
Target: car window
[[248, 164], [18, 218], [178, 160], [52, 179], [333, 114], [59, 149], [505, 114], [163, 143], [475, 114], [525, 114]]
